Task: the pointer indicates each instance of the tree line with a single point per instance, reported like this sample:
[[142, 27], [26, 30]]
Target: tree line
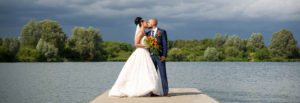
[[283, 47], [44, 41]]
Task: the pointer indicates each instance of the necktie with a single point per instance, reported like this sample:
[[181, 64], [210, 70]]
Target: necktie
[[152, 33]]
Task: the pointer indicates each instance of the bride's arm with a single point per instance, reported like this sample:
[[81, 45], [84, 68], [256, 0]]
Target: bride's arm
[[138, 39]]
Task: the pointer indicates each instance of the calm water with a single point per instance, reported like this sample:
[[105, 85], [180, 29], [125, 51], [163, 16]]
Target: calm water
[[228, 82]]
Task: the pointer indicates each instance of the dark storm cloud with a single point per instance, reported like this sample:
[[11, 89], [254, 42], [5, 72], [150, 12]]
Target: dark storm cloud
[[183, 19]]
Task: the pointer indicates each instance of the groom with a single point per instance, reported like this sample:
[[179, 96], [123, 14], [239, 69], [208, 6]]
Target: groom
[[161, 36]]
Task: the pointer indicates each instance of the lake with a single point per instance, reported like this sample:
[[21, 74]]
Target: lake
[[80, 82]]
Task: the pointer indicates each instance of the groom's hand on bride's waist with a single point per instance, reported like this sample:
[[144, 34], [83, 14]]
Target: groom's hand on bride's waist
[[162, 58]]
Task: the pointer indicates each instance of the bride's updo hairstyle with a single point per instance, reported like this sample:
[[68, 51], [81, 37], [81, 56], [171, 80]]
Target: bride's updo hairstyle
[[138, 20]]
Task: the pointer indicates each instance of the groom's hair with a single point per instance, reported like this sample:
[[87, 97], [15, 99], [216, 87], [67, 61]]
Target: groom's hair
[[155, 21]]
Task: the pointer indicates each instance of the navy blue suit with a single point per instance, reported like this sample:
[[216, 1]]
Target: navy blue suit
[[161, 65]]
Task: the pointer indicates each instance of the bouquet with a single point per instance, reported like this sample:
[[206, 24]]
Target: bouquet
[[153, 43]]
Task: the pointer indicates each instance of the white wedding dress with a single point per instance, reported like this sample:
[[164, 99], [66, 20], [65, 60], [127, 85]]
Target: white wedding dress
[[138, 76]]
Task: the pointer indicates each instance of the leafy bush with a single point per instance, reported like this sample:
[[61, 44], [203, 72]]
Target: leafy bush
[[175, 54], [29, 55], [6, 55], [211, 54], [262, 54], [232, 52]]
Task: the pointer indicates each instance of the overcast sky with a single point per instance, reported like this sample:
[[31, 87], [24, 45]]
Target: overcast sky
[[183, 19]]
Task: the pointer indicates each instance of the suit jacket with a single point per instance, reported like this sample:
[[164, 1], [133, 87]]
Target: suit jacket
[[163, 41]]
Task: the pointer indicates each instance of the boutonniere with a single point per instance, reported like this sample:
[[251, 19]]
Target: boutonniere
[[158, 33]]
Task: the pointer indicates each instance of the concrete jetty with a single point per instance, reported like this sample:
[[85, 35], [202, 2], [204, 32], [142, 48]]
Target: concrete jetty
[[177, 95]]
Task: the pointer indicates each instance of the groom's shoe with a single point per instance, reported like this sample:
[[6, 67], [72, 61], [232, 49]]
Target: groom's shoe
[[166, 95]]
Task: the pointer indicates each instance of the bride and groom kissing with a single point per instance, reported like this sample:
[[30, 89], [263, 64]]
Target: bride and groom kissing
[[140, 74]]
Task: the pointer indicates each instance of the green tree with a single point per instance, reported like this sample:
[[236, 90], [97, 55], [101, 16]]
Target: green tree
[[221, 52], [225, 38], [193, 54], [191, 43], [175, 54], [50, 27], [86, 42], [0, 41], [117, 51], [171, 44], [49, 51], [5, 55], [179, 43], [262, 54], [255, 42], [112, 49], [235, 41], [55, 39], [218, 41], [205, 43], [12, 44], [29, 55], [126, 47], [9, 48], [211, 54], [232, 52], [283, 44], [52, 40], [30, 34]]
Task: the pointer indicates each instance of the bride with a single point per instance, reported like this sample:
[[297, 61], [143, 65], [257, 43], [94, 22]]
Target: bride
[[138, 76]]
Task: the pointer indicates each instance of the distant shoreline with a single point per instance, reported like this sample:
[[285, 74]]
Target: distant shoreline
[[38, 44], [167, 61]]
